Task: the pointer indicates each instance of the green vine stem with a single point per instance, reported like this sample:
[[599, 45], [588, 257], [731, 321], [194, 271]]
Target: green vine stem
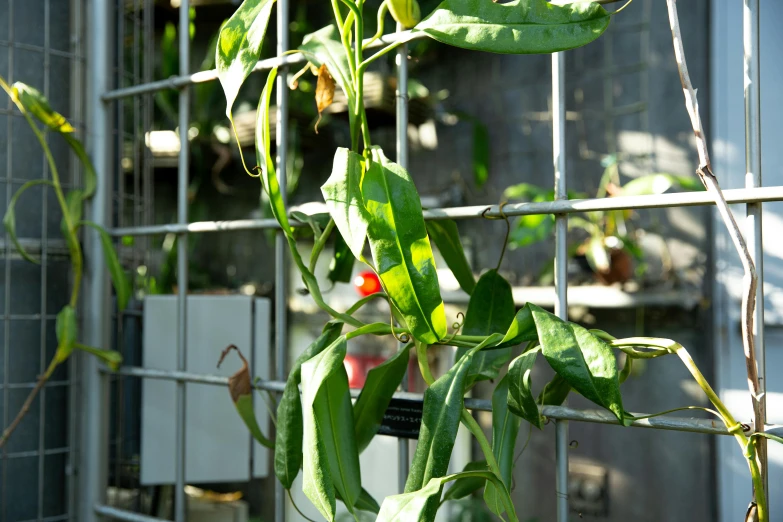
[[734, 427]]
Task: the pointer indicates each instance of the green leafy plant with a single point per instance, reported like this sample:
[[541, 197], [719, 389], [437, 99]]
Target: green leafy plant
[[373, 201], [608, 239], [32, 104]]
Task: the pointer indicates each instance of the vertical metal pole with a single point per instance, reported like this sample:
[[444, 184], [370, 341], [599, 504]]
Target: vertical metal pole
[[180, 507], [403, 456], [753, 221], [281, 141], [96, 309], [561, 264]]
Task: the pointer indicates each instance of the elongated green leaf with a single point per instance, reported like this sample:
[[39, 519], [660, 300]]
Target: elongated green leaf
[[522, 328], [517, 27], [244, 406], [490, 310], [415, 505], [288, 439], [331, 460], [341, 266], [406, 12], [90, 177], [9, 220], [446, 237], [265, 159], [401, 248], [73, 202], [324, 47], [343, 196], [584, 361], [36, 104], [239, 46], [315, 221], [440, 421], [520, 396], [466, 485], [505, 427], [66, 330], [381, 383], [122, 284], [555, 392]]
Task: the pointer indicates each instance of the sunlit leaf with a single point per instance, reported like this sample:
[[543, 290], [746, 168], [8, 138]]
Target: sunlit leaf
[[596, 254], [659, 183], [265, 159], [381, 383], [36, 104], [288, 438], [584, 361], [522, 328], [401, 248], [516, 27], [239, 46], [343, 196], [445, 235], [505, 427], [112, 358]]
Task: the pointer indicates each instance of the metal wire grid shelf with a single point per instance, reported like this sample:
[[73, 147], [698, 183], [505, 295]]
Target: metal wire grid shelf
[[93, 479]]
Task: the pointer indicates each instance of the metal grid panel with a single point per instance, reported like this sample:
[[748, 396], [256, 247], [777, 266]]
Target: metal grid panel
[[39, 45], [753, 195]]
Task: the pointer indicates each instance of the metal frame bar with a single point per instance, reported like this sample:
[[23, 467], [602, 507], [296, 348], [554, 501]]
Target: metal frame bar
[[92, 474]]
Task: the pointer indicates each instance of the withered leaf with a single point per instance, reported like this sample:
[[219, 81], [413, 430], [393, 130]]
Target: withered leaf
[[324, 92]]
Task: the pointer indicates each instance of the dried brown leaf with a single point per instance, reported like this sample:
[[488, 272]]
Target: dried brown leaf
[[324, 92], [238, 384]]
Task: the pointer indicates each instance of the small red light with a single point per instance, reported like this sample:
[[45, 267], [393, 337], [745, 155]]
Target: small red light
[[367, 283]]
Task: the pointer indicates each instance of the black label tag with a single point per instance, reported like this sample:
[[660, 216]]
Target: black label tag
[[402, 419]]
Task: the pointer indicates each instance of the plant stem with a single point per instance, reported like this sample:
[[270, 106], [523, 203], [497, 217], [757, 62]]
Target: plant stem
[[381, 16], [320, 243], [28, 402]]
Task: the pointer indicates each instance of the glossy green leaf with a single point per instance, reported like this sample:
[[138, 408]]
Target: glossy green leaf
[[517, 27], [584, 361], [520, 396], [9, 220], [555, 392], [265, 159], [490, 310], [401, 247], [522, 328], [381, 383], [121, 282], [505, 427], [341, 266], [36, 104], [288, 438], [445, 235], [343, 196], [406, 12], [416, 505], [331, 459], [324, 47], [466, 485], [66, 330], [442, 409], [239, 46]]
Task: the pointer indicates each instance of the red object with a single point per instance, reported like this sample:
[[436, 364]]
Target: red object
[[367, 283], [357, 367]]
